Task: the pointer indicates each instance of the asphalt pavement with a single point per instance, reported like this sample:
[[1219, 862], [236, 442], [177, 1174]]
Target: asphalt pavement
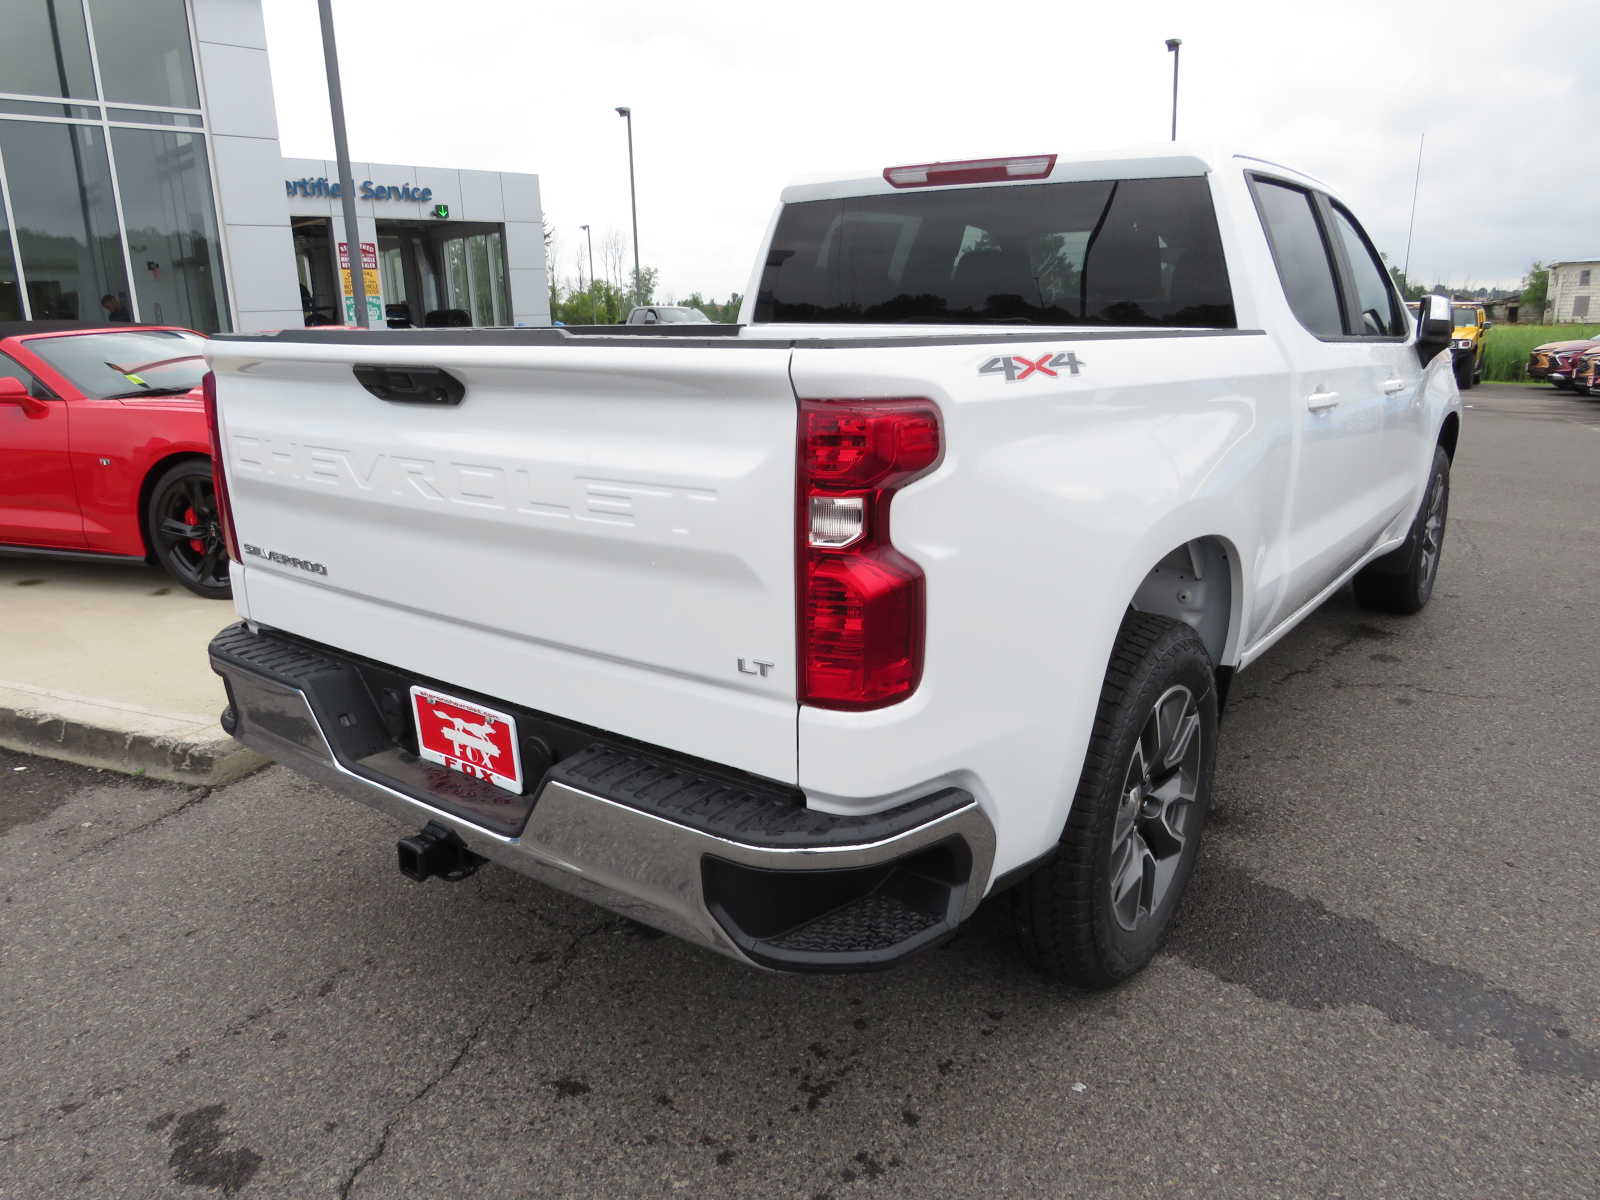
[[1383, 983]]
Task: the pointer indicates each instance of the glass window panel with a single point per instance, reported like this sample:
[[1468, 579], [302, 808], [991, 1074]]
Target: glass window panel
[[144, 52], [455, 272], [44, 50], [497, 272], [32, 108], [171, 225], [1375, 301], [140, 116], [482, 282], [10, 290], [66, 220], [1303, 262]]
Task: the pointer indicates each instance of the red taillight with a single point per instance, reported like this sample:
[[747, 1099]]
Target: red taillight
[[219, 477], [972, 170], [861, 601]]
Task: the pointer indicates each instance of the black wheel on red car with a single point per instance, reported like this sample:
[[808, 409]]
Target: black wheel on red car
[[185, 533]]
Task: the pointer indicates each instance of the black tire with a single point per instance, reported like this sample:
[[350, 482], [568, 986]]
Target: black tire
[[1477, 372], [1067, 918], [1463, 369], [183, 532], [1402, 580]]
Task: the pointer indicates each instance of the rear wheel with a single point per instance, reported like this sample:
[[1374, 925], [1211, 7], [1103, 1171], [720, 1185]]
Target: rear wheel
[[185, 534], [1099, 910], [1402, 581]]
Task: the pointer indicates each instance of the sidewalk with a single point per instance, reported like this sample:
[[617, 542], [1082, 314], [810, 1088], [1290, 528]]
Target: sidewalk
[[106, 666]]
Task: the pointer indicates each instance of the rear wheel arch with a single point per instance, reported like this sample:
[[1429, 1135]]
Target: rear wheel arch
[[1449, 432], [1200, 583]]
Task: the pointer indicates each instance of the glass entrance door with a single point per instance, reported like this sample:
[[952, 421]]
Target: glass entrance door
[[444, 273]]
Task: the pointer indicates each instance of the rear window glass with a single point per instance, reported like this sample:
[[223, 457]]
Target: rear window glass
[[1128, 252]]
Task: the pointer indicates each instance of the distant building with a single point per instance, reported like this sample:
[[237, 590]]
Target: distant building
[[1507, 310], [1574, 291]]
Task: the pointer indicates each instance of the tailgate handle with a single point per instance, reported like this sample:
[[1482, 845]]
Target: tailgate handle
[[410, 385]]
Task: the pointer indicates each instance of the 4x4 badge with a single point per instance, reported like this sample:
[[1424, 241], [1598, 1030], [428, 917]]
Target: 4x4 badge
[[1015, 366]]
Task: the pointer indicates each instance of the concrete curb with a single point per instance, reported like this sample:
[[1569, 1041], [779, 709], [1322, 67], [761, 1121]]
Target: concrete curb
[[173, 747]]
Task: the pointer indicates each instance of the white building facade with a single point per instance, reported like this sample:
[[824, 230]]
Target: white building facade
[[1574, 292], [141, 179]]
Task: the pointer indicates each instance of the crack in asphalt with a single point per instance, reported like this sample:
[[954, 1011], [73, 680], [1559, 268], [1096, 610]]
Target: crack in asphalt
[[563, 962], [1294, 950]]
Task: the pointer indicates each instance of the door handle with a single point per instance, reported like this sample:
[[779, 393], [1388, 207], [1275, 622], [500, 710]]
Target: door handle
[[1318, 401], [1391, 386]]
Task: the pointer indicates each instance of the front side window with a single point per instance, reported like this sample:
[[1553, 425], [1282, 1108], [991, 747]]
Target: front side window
[[141, 362], [1379, 311], [1141, 252], [10, 368], [1304, 263]]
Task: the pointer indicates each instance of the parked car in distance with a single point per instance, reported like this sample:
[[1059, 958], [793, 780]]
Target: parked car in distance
[[1553, 361], [798, 638], [1586, 372], [105, 453], [1467, 342], [667, 314]]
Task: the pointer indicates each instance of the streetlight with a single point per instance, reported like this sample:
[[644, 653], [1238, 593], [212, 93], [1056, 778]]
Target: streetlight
[[590, 236], [627, 115], [1172, 45]]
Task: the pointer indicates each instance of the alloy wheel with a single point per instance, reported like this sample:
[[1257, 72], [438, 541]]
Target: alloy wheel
[[1159, 789], [189, 535]]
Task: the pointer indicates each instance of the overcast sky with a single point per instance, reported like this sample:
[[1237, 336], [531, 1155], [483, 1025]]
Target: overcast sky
[[732, 100]]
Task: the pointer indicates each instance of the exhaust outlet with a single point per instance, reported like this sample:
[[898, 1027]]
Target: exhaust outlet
[[436, 851]]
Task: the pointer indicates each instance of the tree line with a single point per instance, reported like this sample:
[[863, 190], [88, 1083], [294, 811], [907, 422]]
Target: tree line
[[600, 290]]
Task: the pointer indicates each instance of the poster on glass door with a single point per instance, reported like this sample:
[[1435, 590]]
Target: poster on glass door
[[369, 280]]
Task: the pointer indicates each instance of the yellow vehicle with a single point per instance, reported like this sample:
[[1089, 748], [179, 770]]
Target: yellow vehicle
[[1467, 341]]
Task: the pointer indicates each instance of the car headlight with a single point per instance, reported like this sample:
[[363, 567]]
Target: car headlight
[[1463, 343]]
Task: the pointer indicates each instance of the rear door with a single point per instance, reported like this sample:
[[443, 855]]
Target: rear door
[[603, 531], [38, 503], [1342, 388]]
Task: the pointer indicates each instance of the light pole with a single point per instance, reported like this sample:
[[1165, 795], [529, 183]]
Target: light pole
[[590, 236], [341, 152], [1172, 45], [633, 199]]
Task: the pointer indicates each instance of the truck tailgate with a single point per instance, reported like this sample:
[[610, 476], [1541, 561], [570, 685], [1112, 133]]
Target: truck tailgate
[[601, 531]]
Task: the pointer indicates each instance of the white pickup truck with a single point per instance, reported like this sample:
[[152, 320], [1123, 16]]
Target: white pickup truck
[[798, 638]]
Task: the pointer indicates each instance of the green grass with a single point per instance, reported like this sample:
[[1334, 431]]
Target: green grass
[[1505, 353]]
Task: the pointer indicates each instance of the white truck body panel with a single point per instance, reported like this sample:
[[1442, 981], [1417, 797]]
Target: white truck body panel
[[557, 541]]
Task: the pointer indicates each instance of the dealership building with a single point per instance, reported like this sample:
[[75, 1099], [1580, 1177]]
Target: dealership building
[[140, 179]]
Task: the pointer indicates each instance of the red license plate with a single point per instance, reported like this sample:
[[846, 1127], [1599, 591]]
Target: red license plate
[[467, 737]]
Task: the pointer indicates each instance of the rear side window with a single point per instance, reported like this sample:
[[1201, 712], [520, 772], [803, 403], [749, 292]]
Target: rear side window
[[1304, 264], [1127, 252], [1378, 309]]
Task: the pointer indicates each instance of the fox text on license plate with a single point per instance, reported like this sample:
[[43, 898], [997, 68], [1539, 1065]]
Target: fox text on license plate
[[467, 737]]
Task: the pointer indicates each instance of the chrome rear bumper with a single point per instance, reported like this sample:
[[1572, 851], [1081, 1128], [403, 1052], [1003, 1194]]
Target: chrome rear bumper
[[789, 889]]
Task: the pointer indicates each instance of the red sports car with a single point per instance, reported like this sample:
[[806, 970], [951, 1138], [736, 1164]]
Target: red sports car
[[104, 451]]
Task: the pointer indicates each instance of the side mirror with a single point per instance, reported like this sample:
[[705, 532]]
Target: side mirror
[[1435, 324], [15, 392], [1434, 319], [1488, 325]]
